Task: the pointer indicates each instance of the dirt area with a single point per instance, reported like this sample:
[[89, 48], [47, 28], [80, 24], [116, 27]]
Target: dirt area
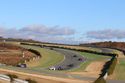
[[42, 78], [14, 57], [92, 70], [2, 81]]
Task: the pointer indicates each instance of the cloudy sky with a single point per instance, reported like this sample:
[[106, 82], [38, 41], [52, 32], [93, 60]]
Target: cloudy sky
[[63, 21]]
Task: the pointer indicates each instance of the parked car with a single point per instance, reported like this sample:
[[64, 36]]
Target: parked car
[[22, 65]]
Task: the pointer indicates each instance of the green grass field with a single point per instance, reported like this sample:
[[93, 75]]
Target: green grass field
[[49, 57], [120, 70], [94, 49], [119, 73]]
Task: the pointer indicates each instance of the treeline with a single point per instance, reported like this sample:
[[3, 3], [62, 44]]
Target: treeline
[[81, 50], [19, 40], [28, 40], [108, 44]]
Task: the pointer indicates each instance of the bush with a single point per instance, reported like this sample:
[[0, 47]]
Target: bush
[[31, 81], [35, 52], [100, 80], [112, 66], [12, 76]]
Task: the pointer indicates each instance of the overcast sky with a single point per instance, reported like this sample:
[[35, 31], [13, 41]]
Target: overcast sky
[[63, 21]]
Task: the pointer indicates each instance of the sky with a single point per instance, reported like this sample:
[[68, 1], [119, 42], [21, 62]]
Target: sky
[[63, 21]]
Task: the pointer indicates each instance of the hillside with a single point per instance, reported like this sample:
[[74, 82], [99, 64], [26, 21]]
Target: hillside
[[107, 44]]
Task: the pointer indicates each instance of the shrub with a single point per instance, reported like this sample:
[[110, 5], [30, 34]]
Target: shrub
[[12, 76], [35, 52], [31, 81], [112, 66]]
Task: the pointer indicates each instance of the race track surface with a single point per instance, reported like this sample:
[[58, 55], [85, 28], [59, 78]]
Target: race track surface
[[71, 60]]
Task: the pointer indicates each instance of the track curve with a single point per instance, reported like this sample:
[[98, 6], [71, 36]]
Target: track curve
[[72, 59]]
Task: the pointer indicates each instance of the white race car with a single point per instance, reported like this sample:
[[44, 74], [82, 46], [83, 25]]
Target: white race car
[[52, 68]]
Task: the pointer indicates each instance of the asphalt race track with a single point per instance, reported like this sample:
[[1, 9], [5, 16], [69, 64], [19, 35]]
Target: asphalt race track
[[72, 59]]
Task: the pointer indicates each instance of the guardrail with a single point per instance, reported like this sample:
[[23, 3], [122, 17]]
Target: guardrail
[[7, 78]]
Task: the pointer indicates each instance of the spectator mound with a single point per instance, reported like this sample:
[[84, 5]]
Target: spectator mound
[[11, 54]]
